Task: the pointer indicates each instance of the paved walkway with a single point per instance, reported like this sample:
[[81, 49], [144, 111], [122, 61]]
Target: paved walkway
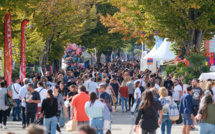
[[121, 124]]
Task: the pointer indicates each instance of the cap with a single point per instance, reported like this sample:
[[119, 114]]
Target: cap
[[132, 78]]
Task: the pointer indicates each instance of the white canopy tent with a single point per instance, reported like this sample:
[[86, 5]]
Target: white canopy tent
[[162, 53], [143, 61], [205, 76], [87, 57]]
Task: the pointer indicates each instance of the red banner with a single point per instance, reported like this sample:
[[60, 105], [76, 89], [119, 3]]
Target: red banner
[[23, 66], [8, 49]]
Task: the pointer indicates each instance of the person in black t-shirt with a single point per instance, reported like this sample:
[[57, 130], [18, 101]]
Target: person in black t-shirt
[[72, 92], [71, 82], [32, 98], [168, 83]]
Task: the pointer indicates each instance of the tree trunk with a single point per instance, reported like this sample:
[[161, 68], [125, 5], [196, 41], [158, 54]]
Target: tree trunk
[[98, 57], [46, 51]]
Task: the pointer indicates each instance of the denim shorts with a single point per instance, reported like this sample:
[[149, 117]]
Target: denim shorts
[[187, 119], [117, 100]]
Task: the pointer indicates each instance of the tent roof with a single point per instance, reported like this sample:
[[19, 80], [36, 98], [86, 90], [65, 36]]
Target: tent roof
[[86, 54], [164, 52], [151, 53], [205, 76]]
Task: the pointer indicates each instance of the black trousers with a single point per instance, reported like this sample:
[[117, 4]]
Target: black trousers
[[3, 116], [31, 116], [23, 116], [131, 99]]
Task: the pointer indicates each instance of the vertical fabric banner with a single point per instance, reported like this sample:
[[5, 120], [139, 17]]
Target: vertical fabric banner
[[23, 65], [8, 49]]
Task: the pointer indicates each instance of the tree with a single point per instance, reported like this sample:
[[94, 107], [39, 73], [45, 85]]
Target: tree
[[185, 22], [99, 37]]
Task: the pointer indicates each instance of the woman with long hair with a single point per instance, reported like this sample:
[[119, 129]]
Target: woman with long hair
[[124, 95], [3, 107], [61, 106], [166, 100], [206, 114], [95, 110], [49, 109], [137, 95], [63, 91], [209, 86], [148, 114]]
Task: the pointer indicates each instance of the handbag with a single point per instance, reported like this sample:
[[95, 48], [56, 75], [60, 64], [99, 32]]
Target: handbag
[[71, 126], [113, 98], [8, 100]]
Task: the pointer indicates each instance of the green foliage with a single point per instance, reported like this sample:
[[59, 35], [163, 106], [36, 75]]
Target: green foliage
[[16, 71], [138, 52], [194, 70]]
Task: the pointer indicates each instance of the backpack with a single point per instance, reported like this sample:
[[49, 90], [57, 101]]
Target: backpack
[[142, 89], [173, 111]]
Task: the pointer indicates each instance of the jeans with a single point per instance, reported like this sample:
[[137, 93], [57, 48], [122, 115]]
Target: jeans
[[16, 109], [3, 114], [50, 122], [23, 116], [98, 124], [166, 122], [124, 101], [131, 100], [138, 102], [206, 128], [31, 117], [147, 132]]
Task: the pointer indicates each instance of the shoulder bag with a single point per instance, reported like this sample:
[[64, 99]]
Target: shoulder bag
[[8, 100]]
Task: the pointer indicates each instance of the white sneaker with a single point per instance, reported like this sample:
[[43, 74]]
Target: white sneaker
[[0, 125], [4, 127], [60, 133], [132, 116]]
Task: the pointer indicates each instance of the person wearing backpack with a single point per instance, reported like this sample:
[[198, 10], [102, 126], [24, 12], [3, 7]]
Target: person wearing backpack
[[42, 91], [165, 101]]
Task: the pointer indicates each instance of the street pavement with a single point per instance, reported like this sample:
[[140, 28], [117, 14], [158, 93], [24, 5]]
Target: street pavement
[[121, 124]]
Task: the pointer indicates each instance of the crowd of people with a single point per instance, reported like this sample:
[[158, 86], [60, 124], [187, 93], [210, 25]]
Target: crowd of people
[[89, 96]]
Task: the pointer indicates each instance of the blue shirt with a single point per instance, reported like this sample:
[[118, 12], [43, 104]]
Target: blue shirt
[[115, 88], [66, 79], [105, 96], [187, 103]]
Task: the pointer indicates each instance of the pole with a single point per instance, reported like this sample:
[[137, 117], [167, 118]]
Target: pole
[[142, 50], [95, 55], [126, 54]]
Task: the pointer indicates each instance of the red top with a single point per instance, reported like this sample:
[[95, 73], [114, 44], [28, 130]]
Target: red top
[[79, 101], [124, 91]]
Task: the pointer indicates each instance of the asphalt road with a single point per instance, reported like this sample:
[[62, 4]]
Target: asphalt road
[[121, 124]]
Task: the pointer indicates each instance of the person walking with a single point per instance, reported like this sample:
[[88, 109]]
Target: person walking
[[165, 101], [42, 91], [49, 109], [32, 98], [15, 96], [61, 106], [104, 95], [22, 93], [115, 85], [95, 110], [3, 107], [93, 86], [148, 114], [78, 106], [206, 114], [137, 95], [187, 103], [130, 85], [197, 95], [123, 90]]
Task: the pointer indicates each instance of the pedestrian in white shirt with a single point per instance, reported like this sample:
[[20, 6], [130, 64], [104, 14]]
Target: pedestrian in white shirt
[[86, 80], [42, 91], [93, 86], [143, 84], [157, 86], [15, 96], [177, 92], [22, 93]]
